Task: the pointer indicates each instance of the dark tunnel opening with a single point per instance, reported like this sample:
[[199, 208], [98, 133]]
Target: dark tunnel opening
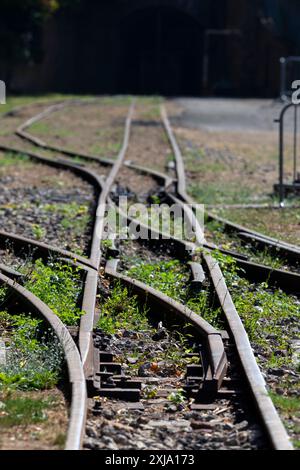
[[160, 53]]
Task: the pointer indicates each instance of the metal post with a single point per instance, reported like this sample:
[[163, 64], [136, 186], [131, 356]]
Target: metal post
[[295, 140], [283, 78], [281, 168]]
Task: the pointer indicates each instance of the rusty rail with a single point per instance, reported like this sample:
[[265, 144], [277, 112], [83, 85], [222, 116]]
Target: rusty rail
[[75, 369], [270, 418]]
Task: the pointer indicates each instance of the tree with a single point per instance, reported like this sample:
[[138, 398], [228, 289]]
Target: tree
[[21, 26]]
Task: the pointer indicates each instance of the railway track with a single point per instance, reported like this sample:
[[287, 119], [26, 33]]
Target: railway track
[[217, 352]]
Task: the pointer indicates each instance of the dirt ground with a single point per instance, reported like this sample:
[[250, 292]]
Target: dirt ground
[[96, 129], [49, 434]]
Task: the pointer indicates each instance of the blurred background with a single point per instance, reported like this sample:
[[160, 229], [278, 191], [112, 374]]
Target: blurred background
[[169, 47]]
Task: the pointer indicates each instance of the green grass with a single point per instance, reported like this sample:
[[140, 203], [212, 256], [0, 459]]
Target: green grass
[[172, 279], [234, 167], [16, 101], [110, 149], [289, 408], [12, 159], [121, 310], [34, 356], [23, 411], [45, 128], [167, 276], [59, 286], [73, 215], [277, 223], [288, 405], [229, 241], [216, 193], [38, 231], [264, 311]]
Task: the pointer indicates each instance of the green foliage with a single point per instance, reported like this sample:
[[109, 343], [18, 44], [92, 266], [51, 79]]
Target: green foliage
[[150, 392], [5, 320], [177, 398], [3, 293], [172, 279], [106, 244], [59, 286], [38, 231], [276, 223], [121, 311], [8, 159], [263, 311], [22, 411], [166, 276], [34, 356], [230, 241], [289, 405]]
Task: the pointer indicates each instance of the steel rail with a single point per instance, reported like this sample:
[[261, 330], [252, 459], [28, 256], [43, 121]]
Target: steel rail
[[274, 427], [181, 189], [218, 360], [77, 422], [41, 249], [91, 286], [20, 132], [286, 280], [75, 368], [241, 231], [278, 435]]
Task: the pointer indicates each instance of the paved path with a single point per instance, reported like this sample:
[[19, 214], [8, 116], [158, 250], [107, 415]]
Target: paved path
[[228, 114]]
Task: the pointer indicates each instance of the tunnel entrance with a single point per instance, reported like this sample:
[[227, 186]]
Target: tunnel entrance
[[160, 53]]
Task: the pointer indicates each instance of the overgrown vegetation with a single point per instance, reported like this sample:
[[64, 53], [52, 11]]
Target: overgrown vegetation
[[215, 230], [33, 355], [58, 285], [277, 223], [121, 310], [265, 311], [8, 159], [23, 411], [172, 279]]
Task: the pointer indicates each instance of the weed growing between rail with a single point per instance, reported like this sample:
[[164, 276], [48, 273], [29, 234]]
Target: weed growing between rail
[[74, 218], [215, 231], [33, 356], [281, 224], [120, 312], [172, 279], [59, 286], [289, 408], [267, 313], [271, 319], [9, 159]]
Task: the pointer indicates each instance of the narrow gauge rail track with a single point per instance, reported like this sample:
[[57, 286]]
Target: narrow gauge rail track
[[275, 430]]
